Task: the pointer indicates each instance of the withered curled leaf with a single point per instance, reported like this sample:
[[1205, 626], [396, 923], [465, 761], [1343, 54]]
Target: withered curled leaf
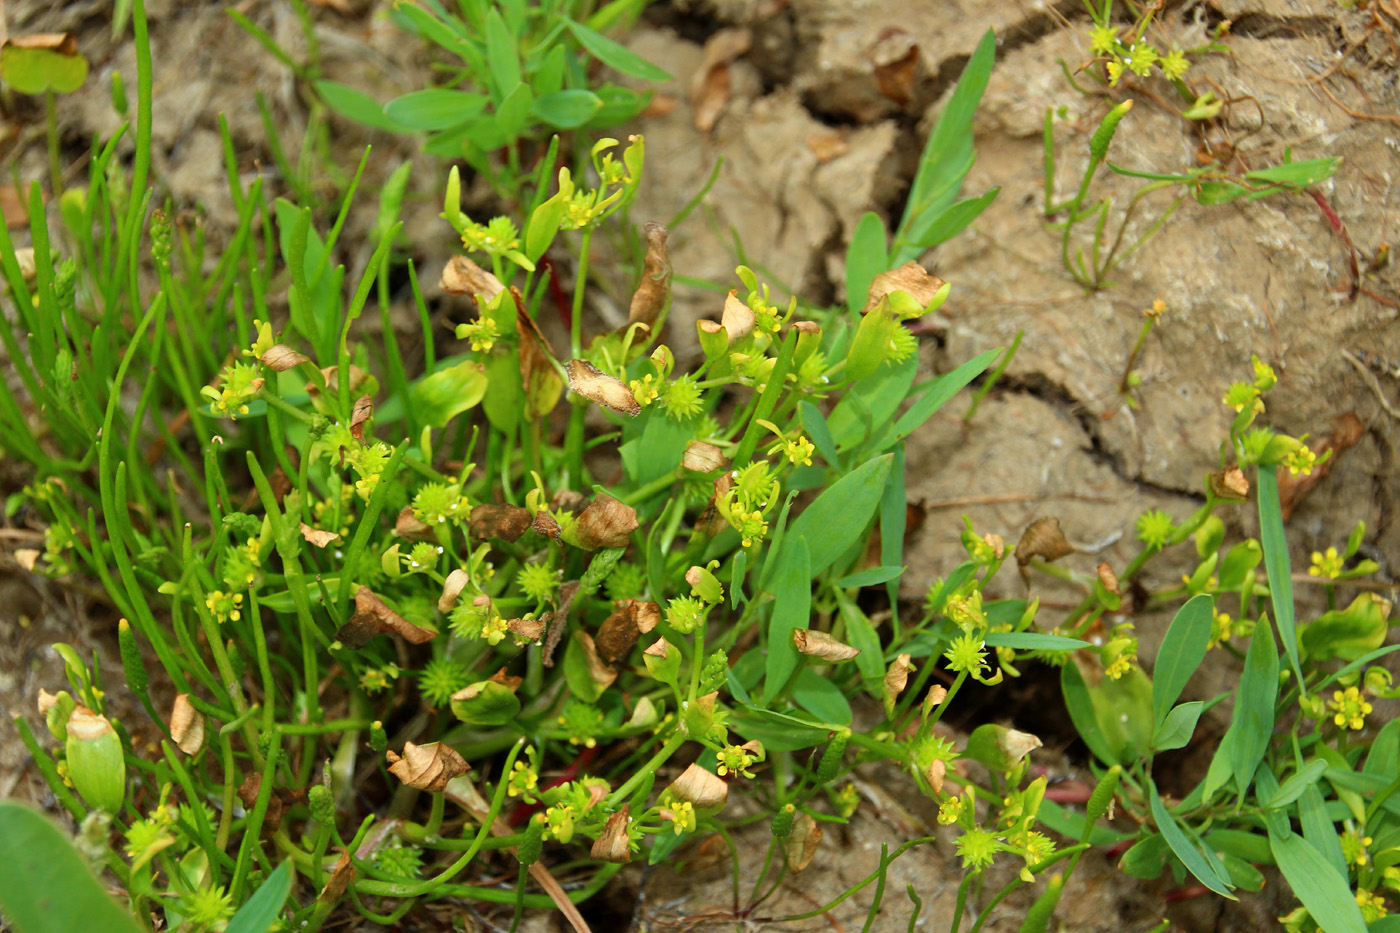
[[896, 678], [426, 767], [363, 411], [410, 526], [702, 788], [821, 645], [528, 629], [507, 522], [597, 386], [373, 617], [911, 278], [461, 276], [600, 673], [1230, 484], [606, 522], [316, 536], [802, 842], [738, 318], [618, 633], [280, 358], [614, 845], [700, 457], [1108, 578], [654, 290], [1044, 539], [186, 725], [452, 587]]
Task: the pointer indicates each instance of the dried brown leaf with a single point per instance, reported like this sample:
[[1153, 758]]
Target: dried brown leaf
[[363, 411], [600, 673], [821, 645], [506, 680], [802, 842], [27, 557], [186, 725], [529, 629], [618, 633], [614, 844], [738, 318], [896, 678], [595, 385], [452, 587], [1230, 484], [1044, 539], [507, 522], [410, 526], [316, 536], [702, 788], [896, 58], [461, 276], [654, 289], [426, 767], [700, 457], [911, 278], [605, 523], [15, 209], [64, 43], [373, 617], [281, 358], [558, 620]]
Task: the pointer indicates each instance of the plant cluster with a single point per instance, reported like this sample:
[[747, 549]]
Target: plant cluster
[[540, 610]]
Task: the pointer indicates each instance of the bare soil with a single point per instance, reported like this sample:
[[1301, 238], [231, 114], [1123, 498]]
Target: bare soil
[[811, 139]]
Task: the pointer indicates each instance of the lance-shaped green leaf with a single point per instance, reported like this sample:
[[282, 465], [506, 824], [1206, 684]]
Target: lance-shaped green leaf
[[1183, 648]]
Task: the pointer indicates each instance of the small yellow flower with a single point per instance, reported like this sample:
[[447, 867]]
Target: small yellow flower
[[1327, 565], [1103, 40], [1349, 708], [1115, 71], [1174, 64]]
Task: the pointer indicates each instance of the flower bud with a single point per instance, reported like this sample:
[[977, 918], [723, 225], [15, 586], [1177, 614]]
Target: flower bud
[[831, 758], [1098, 144], [782, 821], [322, 804], [95, 761]]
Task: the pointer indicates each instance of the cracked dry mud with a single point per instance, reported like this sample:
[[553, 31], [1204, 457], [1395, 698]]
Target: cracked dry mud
[[810, 141]]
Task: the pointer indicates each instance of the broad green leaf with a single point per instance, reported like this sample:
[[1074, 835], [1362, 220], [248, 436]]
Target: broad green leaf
[[1181, 845], [792, 603], [1253, 723], [502, 55], [38, 71], [938, 394], [358, 106], [260, 912], [1277, 565], [657, 448], [953, 220], [1346, 633], [1297, 174], [567, 110], [821, 697], [1183, 648], [894, 517], [871, 577], [1250, 846], [1113, 716], [1325, 894], [488, 703], [614, 55], [1146, 858], [1319, 829], [837, 517], [513, 112], [619, 104], [1176, 730], [45, 887], [434, 108], [861, 634], [948, 154], [865, 258], [1034, 641], [445, 394], [871, 402], [1384, 752], [779, 732], [1238, 562], [1293, 788]]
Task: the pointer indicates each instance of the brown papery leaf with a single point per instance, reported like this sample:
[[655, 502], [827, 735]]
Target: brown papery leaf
[[546, 525], [64, 43], [426, 767], [654, 290], [373, 617], [316, 536], [711, 85], [700, 457], [461, 276], [702, 788], [1231, 484], [911, 278], [281, 358], [558, 619], [363, 411], [597, 386], [1044, 539], [606, 522], [1108, 578], [896, 678], [27, 557], [452, 587], [186, 725], [529, 629], [538, 372], [410, 526], [507, 522], [896, 58], [802, 842], [601, 674], [614, 845], [821, 645], [506, 680], [738, 318], [618, 633], [277, 801]]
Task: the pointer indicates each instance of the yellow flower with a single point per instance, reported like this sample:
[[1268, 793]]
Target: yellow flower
[[1174, 64], [1350, 709]]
